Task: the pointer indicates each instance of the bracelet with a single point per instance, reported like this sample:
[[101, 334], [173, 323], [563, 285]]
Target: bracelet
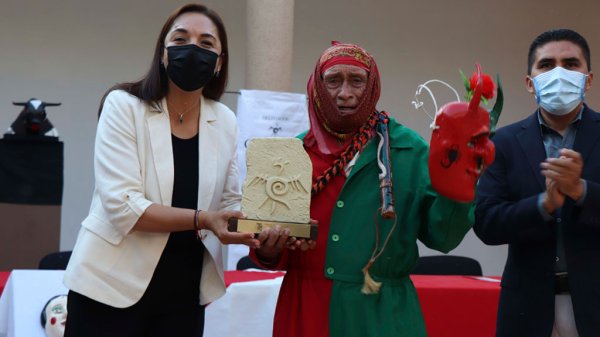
[[196, 224]]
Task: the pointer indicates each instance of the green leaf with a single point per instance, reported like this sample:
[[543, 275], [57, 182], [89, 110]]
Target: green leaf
[[465, 82], [497, 109], [468, 96]]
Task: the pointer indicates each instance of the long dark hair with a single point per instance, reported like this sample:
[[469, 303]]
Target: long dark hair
[[154, 86]]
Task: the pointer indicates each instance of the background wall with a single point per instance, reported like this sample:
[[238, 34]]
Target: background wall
[[71, 51]]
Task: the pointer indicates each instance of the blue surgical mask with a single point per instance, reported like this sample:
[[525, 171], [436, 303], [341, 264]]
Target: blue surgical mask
[[559, 90]]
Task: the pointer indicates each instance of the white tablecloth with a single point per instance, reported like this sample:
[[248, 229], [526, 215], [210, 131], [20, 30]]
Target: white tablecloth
[[23, 299], [246, 309]]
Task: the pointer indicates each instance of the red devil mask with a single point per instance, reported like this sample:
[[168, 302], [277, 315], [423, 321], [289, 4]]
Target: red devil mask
[[460, 147]]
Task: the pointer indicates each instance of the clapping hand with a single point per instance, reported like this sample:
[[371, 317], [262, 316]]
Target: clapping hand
[[565, 171], [217, 223], [553, 198]]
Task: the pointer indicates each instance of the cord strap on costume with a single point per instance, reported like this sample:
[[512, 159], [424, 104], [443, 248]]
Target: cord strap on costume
[[385, 168], [370, 286], [359, 141]]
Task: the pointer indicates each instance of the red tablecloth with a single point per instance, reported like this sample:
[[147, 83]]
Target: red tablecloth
[[462, 306], [3, 278], [235, 276], [453, 306]]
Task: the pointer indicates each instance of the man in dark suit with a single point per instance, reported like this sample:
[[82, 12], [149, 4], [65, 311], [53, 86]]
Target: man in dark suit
[[541, 196]]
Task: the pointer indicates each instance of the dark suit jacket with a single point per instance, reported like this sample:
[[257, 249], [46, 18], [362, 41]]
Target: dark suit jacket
[[507, 213]]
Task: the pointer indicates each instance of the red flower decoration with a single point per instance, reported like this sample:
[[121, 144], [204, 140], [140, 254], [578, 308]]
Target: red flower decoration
[[489, 88]]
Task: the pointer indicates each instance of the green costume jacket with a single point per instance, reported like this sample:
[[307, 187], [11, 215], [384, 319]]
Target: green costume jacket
[[421, 213]]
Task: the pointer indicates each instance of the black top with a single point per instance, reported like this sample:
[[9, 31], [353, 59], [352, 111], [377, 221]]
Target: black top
[[177, 275]]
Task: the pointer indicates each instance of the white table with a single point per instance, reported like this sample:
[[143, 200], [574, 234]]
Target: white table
[[246, 309], [23, 299]]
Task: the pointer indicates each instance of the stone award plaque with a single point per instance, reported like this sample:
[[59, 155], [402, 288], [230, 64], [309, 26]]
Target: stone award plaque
[[277, 187]]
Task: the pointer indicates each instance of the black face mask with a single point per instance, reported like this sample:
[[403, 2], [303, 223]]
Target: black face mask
[[191, 67]]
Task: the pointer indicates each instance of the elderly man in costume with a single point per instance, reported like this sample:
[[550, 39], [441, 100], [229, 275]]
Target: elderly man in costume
[[373, 200]]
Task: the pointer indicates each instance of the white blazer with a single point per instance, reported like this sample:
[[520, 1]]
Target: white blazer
[[112, 263]]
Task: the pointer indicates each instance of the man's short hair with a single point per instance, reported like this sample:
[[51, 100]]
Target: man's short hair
[[555, 35]]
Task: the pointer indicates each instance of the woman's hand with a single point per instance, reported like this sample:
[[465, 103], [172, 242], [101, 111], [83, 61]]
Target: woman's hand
[[216, 222]]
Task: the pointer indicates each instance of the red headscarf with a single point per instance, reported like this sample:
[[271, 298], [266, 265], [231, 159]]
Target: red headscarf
[[322, 108]]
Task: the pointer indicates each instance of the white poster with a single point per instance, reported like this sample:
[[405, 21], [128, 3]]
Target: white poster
[[263, 113]]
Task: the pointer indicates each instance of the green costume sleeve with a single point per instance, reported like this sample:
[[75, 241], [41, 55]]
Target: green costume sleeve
[[446, 222]]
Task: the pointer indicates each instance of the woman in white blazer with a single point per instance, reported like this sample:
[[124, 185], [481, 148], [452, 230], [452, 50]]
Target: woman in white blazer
[[148, 256]]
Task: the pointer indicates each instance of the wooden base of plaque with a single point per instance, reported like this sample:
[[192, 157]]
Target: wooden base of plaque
[[298, 230]]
